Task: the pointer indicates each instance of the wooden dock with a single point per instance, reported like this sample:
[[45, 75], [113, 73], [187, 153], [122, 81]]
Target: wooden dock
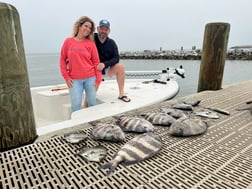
[[220, 158]]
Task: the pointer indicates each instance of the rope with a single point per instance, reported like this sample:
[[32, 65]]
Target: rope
[[141, 74]]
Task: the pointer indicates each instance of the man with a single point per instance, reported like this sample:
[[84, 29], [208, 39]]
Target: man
[[109, 57]]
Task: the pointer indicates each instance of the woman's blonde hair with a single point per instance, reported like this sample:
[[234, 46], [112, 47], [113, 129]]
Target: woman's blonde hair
[[79, 23]]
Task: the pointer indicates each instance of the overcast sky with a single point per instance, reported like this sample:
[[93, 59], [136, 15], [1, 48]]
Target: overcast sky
[[136, 25]]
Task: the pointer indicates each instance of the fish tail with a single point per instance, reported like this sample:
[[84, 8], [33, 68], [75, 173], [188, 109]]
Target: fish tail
[[116, 117], [111, 166], [93, 123]]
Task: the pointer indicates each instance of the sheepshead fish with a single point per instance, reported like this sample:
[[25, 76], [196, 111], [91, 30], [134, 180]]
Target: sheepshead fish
[[95, 154], [159, 118], [193, 103], [105, 131], [188, 127], [134, 124], [176, 113], [182, 106], [75, 137], [207, 114], [139, 148]]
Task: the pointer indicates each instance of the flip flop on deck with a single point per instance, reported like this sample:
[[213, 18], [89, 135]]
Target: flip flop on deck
[[124, 98]]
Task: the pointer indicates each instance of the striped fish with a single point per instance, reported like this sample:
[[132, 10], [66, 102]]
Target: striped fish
[[188, 127], [134, 124], [176, 113], [105, 131], [141, 147], [193, 103], [182, 106], [159, 118]]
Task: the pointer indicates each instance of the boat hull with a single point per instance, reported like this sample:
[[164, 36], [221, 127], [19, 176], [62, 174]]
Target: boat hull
[[52, 108]]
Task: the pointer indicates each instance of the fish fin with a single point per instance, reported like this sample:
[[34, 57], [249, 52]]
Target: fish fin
[[79, 155], [193, 103], [116, 117], [93, 123], [196, 103], [142, 114], [127, 163], [111, 166]]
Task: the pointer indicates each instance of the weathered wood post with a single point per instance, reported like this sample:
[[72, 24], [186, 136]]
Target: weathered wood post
[[17, 124], [213, 56]]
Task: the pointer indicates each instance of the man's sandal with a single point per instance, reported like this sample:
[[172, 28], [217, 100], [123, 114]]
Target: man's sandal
[[124, 98]]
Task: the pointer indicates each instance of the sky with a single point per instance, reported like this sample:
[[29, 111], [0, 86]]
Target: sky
[[136, 25]]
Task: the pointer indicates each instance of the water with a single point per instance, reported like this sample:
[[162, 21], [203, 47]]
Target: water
[[43, 69]]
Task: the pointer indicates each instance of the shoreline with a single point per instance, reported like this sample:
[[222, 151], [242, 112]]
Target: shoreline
[[235, 54], [181, 55]]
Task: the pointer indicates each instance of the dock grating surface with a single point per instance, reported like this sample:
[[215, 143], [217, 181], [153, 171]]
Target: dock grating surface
[[220, 158]]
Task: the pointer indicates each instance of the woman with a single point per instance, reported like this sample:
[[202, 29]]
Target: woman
[[78, 61]]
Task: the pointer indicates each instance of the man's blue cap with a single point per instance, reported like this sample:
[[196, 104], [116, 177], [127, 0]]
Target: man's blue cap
[[104, 22]]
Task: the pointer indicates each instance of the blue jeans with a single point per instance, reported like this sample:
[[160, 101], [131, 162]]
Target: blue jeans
[[76, 92]]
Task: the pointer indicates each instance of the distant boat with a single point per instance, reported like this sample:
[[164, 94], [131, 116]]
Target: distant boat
[[52, 108]]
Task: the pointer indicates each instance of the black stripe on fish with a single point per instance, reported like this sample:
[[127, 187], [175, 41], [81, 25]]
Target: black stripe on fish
[[108, 132], [132, 124], [101, 130], [141, 149]]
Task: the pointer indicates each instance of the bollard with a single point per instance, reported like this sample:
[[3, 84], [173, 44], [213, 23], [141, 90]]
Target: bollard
[[213, 56], [17, 123]]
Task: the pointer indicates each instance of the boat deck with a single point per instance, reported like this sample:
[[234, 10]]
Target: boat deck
[[220, 158]]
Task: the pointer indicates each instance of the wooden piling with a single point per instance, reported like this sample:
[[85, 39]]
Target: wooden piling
[[17, 123], [213, 56]]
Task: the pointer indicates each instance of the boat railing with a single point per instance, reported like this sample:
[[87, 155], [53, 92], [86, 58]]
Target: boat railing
[[164, 75]]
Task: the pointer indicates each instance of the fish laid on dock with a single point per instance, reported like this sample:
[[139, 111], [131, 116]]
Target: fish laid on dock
[[75, 137], [182, 106], [207, 114], [221, 111], [159, 118], [176, 113], [108, 132], [95, 154], [188, 127], [139, 148], [134, 124], [193, 103]]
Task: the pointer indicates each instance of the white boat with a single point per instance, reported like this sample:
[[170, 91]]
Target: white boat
[[52, 108]]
